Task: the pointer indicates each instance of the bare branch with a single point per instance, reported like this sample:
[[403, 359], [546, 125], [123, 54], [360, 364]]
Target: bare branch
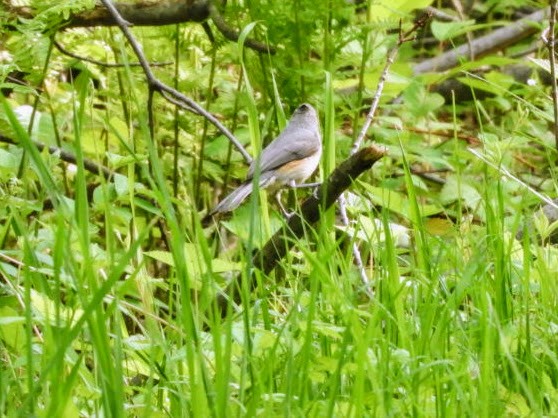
[[356, 252], [145, 13], [403, 37], [67, 156], [233, 35], [151, 13], [484, 45], [459, 8], [392, 53], [267, 258], [440, 15], [549, 38], [156, 85], [64, 51]]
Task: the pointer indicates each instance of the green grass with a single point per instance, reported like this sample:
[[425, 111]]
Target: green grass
[[461, 324], [108, 286]]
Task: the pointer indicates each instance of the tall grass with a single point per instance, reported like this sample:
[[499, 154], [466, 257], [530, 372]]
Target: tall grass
[[107, 305]]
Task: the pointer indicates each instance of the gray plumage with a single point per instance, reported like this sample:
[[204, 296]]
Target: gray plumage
[[300, 141]]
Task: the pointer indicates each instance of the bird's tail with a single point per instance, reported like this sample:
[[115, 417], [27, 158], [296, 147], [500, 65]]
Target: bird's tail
[[237, 196], [233, 200]]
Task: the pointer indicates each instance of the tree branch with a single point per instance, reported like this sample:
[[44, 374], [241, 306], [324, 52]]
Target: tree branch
[[484, 45], [67, 156], [145, 13], [232, 35], [64, 51], [151, 13], [156, 85], [549, 38], [267, 258]]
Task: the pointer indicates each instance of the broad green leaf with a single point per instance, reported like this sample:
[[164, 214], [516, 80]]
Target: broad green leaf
[[12, 328], [8, 161], [117, 160], [454, 190], [397, 202], [45, 310], [447, 30], [493, 82], [120, 184], [382, 10], [195, 263]]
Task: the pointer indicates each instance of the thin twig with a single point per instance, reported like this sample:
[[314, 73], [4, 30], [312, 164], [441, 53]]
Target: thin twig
[[356, 252], [459, 8], [375, 100], [14, 80], [549, 39], [177, 103], [233, 35], [441, 15], [102, 63], [156, 85], [67, 156], [428, 176], [494, 41], [403, 37], [471, 140]]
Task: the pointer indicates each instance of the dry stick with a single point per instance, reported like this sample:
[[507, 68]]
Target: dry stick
[[484, 45], [102, 63], [376, 99], [549, 39], [356, 145], [459, 8], [356, 252], [152, 13], [267, 258], [177, 103], [440, 15], [14, 80], [140, 13], [470, 139], [233, 35], [156, 85], [145, 13], [403, 37], [67, 156]]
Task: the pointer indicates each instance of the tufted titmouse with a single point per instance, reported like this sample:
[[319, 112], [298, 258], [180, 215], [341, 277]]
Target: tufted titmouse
[[288, 160]]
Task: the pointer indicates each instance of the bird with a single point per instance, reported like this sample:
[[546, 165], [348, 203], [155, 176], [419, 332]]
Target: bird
[[288, 160]]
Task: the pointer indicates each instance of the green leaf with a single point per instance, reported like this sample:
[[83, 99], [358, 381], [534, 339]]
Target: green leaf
[[196, 265], [8, 161], [454, 190], [117, 160], [447, 30], [120, 184], [494, 82], [12, 329], [382, 10], [397, 202], [421, 102]]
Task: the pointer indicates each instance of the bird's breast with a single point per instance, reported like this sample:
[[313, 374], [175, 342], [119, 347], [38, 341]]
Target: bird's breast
[[298, 170]]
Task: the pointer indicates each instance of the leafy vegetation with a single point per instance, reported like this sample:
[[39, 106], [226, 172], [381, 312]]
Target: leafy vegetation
[[108, 284]]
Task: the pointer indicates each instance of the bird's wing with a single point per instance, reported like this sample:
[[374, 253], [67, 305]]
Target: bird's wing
[[289, 146]]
